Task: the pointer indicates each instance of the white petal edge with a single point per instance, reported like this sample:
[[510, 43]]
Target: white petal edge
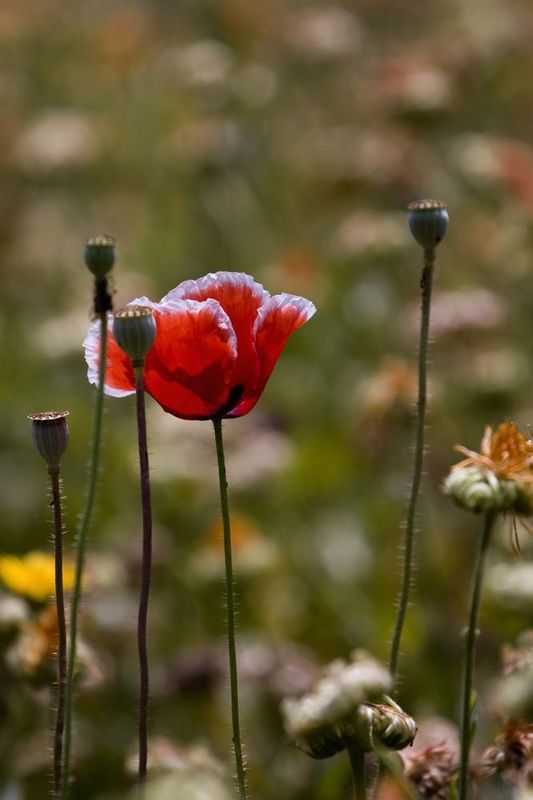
[[305, 307], [91, 344], [238, 280]]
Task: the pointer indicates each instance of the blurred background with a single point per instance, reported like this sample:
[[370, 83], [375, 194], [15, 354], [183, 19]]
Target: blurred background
[[283, 138]]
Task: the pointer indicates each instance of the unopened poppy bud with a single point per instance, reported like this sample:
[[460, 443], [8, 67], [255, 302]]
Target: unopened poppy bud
[[383, 725], [50, 436], [100, 254], [135, 330], [428, 222], [480, 490]]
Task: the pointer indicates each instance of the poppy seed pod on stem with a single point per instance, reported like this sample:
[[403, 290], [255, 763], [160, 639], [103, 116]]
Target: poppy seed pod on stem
[[428, 222], [100, 252], [50, 436], [134, 329]]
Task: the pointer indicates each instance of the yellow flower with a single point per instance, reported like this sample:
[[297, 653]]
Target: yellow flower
[[33, 575]]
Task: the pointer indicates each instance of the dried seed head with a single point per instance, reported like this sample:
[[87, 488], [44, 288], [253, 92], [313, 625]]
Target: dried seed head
[[428, 222], [135, 330], [431, 770], [50, 436], [100, 254]]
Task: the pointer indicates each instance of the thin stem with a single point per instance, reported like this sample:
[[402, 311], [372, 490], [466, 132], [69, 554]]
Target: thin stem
[[357, 761], [403, 603], [470, 654], [81, 546], [230, 600], [61, 629], [145, 575]]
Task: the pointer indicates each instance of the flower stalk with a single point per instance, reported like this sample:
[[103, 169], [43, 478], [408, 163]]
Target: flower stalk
[[61, 630], [50, 437], [357, 762], [409, 536], [145, 575], [230, 601], [99, 259], [134, 329], [470, 651], [428, 222]]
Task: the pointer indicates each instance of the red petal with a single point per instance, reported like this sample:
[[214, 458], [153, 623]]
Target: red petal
[[277, 319], [119, 378], [187, 370], [241, 298]]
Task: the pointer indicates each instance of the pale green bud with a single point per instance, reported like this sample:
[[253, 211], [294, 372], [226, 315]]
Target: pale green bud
[[479, 490], [383, 725], [323, 722]]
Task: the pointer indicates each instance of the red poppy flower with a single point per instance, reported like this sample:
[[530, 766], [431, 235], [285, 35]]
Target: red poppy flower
[[218, 339]]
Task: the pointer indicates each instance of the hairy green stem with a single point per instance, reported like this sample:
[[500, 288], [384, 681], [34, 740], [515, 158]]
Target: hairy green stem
[[409, 539], [80, 551], [357, 762], [230, 600], [61, 630], [470, 654], [145, 575]]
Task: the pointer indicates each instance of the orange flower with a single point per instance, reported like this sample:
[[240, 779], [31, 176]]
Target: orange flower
[[505, 452]]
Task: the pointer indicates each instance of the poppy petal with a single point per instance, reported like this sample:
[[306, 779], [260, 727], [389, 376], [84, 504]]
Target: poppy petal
[[119, 379], [187, 369], [276, 320], [241, 297]]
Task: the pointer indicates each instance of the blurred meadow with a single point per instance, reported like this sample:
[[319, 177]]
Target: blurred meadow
[[282, 138]]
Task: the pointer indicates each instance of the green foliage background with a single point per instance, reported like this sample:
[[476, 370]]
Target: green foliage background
[[283, 139]]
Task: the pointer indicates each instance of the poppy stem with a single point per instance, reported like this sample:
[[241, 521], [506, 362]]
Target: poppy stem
[[230, 600], [61, 629], [470, 653], [357, 762], [409, 539], [145, 574], [80, 551]]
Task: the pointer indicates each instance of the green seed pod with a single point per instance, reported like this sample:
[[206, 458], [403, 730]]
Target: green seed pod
[[50, 436], [479, 490], [100, 254], [428, 222], [135, 330]]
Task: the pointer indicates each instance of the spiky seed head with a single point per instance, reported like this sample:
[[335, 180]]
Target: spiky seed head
[[428, 222], [50, 436], [100, 253], [135, 329]]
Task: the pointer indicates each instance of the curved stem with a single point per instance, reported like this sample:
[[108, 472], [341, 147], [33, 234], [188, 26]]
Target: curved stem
[[230, 600], [81, 546], [357, 762], [470, 653], [145, 575], [61, 629], [403, 603]]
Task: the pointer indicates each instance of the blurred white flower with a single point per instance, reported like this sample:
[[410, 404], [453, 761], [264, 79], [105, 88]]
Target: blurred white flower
[[60, 139]]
